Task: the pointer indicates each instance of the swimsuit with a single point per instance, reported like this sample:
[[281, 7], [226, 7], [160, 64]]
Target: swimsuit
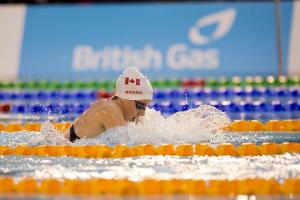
[[73, 135]]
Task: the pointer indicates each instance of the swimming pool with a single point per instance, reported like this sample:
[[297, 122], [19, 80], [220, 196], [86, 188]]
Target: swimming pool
[[191, 148]]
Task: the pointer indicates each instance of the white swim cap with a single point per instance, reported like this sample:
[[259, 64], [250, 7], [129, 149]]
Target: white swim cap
[[133, 85]]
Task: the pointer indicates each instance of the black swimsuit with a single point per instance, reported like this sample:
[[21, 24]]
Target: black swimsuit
[[73, 135]]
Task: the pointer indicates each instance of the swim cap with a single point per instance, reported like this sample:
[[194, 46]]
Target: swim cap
[[133, 85]]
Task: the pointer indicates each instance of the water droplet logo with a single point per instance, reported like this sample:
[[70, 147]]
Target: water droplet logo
[[224, 21]]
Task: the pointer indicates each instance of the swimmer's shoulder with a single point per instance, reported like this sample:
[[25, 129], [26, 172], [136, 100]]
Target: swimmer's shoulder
[[111, 115], [106, 105]]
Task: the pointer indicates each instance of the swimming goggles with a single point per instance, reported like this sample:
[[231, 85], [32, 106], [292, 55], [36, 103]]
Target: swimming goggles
[[140, 106]]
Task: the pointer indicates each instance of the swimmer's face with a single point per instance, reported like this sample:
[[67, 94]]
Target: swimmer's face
[[136, 108], [141, 107]]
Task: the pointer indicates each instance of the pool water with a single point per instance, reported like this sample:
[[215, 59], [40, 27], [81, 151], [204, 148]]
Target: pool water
[[279, 167], [177, 116], [205, 124]]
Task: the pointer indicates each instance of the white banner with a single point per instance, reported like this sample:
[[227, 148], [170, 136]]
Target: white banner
[[11, 35], [294, 47]]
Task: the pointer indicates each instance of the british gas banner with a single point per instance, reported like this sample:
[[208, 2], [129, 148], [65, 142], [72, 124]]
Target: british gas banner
[[163, 40]]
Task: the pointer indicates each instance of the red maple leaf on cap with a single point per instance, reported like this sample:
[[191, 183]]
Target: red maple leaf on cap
[[136, 81]]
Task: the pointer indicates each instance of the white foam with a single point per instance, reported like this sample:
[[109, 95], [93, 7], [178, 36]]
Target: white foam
[[192, 126], [48, 136]]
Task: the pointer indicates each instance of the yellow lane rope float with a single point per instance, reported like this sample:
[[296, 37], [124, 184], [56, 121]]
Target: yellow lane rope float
[[124, 187], [238, 125], [122, 151]]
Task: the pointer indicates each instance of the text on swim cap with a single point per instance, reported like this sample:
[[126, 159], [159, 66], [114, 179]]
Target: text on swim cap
[[133, 92], [136, 81]]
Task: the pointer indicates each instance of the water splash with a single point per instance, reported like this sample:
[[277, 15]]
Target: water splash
[[48, 136], [192, 126]]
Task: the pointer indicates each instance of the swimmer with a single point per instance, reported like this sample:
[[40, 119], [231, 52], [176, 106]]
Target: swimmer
[[133, 94]]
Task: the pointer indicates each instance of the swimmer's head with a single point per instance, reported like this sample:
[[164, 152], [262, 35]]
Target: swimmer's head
[[133, 85], [135, 93]]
